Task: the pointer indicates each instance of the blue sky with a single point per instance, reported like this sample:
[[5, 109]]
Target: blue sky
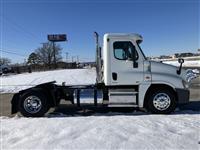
[[167, 26]]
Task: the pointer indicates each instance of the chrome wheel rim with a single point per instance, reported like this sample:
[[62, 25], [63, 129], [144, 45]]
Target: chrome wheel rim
[[161, 101], [32, 104]]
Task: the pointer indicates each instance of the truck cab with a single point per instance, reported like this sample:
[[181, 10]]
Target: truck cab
[[123, 59], [133, 80]]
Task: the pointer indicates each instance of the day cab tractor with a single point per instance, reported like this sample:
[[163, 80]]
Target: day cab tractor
[[124, 77]]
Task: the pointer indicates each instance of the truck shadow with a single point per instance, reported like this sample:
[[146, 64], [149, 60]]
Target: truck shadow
[[194, 106], [88, 110]]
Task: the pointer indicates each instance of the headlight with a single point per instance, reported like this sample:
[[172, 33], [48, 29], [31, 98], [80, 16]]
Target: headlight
[[190, 75]]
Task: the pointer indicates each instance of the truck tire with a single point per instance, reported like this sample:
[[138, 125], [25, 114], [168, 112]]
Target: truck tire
[[161, 101], [33, 104]]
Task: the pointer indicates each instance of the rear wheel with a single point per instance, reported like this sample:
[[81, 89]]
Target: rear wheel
[[161, 101], [33, 104]]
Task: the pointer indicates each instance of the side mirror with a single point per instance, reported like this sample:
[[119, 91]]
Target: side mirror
[[181, 61]]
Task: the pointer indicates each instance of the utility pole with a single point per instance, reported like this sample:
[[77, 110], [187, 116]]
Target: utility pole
[[77, 59], [67, 56], [25, 62], [54, 55]]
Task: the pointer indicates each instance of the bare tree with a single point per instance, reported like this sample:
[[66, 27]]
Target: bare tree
[[46, 53], [4, 61]]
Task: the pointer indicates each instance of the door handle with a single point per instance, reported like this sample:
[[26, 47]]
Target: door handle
[[114, 76]]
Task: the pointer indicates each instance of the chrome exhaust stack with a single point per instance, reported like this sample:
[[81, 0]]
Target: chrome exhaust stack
[[98, 59]]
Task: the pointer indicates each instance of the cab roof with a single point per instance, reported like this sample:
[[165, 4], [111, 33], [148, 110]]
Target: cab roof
[[134, 36]]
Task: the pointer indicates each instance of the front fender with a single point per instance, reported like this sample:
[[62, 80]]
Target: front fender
[[171, 80]]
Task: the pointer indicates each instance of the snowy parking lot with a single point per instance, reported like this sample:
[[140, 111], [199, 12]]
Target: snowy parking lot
[[110, 131], [15, 83], [133, 130]]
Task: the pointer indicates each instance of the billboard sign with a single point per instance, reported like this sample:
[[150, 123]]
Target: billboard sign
[[57, 37]]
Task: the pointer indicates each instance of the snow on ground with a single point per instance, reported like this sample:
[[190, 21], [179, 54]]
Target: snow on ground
[[187, 63], [15, 83], [107, 131]]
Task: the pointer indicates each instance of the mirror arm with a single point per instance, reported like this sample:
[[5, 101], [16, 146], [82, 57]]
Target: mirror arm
[[135, 64], [181, 61]]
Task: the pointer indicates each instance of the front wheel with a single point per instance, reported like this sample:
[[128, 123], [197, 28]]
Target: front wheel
[[33, 104], [161, 101]]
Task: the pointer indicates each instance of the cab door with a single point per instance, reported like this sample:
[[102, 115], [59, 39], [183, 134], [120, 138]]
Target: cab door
[[126, 63]]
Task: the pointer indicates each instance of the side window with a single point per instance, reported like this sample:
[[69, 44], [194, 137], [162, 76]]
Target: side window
[[120, 54], [124, 50]]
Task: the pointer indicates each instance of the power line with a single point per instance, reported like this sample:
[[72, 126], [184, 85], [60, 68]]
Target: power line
[[26, 35], [21, 28], [18, 28], [9, 52], [20, 85]]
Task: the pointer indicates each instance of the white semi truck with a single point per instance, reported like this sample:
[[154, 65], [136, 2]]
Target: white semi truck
[[125, 77]]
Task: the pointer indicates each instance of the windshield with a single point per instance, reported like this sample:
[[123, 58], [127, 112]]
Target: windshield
[[138, 44]]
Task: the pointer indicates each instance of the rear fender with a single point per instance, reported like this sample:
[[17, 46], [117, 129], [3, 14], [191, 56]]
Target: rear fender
[[49, 89]]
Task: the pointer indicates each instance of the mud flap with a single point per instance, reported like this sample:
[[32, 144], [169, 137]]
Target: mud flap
[[183, 96], [14, 103]]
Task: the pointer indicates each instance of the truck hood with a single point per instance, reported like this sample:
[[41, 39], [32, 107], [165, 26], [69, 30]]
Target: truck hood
[[162, 68]]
